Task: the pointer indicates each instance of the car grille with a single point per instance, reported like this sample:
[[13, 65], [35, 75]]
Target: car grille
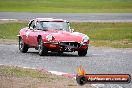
[[70, 44]]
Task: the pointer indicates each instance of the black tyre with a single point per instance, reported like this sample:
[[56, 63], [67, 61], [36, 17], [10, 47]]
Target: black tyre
[[41, 48], [82, 52], [81, 80], [22, 46]]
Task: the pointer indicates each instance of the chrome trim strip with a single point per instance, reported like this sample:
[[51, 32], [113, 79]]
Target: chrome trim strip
[[51, 42]]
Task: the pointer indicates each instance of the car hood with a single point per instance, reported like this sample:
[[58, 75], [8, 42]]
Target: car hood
[[62, 36]]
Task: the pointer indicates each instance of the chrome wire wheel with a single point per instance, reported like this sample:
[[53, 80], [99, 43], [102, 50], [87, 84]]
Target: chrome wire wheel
[[41, 48], [22, 46]]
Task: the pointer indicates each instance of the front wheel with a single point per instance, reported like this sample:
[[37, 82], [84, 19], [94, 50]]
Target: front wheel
[[82, 52], [22, 46], [41, 48]]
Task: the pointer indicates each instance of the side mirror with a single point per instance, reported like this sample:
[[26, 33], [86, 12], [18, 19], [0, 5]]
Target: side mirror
[[72, 30], [31, 28]]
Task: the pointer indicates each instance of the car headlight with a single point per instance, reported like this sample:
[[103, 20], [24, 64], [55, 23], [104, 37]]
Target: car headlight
[[85, 38], [49, 37]]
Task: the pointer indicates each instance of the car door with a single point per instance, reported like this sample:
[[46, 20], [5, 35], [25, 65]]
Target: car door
[[32, 34]]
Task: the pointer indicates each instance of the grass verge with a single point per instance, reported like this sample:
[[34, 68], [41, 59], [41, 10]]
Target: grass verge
[[67, 6], [16, 77], [117, 35]]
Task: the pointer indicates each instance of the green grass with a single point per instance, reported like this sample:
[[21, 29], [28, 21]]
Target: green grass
[[67, 6], [21, 72], [105, 31], [118, 35], [10, 30]]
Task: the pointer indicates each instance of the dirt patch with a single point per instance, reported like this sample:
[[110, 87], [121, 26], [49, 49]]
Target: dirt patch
[[62, 82], [18, 82]]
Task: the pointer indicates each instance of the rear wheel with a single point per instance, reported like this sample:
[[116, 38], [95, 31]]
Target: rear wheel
[[22, 46], [82, 52], [41, 48]]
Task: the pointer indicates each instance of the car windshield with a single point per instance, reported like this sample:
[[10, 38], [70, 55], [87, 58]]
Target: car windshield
[[47, 25]]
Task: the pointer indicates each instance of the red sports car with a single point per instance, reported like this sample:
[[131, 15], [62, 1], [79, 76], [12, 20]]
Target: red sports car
[[55, 35]]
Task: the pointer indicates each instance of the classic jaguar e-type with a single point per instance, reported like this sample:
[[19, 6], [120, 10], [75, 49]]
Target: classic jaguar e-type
[[55, 35]]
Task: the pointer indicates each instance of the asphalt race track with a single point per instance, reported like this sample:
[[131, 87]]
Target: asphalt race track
[[80, 17], [98, 60]]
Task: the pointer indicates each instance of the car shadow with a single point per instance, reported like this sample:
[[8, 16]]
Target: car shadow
[[56, 54]]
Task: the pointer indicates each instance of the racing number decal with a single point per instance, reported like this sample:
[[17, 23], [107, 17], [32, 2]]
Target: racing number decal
[[27, 35]]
